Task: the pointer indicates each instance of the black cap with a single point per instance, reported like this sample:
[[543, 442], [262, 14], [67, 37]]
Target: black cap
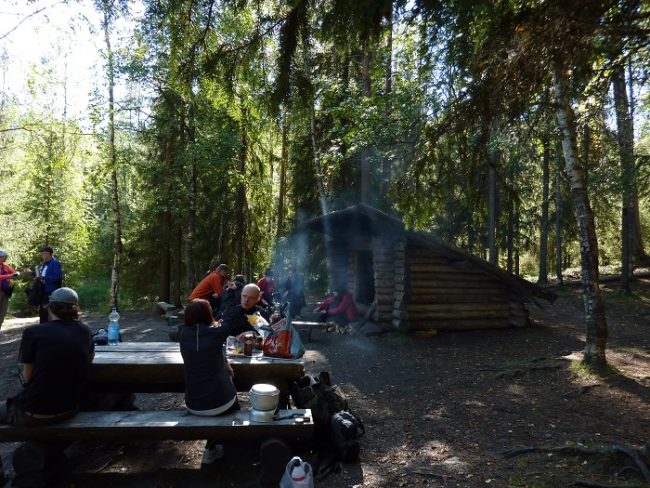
[[46, 249]]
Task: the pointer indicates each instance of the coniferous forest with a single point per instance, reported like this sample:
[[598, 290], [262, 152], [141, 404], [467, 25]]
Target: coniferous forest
[[517, 131]]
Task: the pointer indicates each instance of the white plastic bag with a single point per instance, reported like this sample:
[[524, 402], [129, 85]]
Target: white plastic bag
[[297, 475]]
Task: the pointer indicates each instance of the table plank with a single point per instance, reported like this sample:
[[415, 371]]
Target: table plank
[[158, 367], [140, 346]]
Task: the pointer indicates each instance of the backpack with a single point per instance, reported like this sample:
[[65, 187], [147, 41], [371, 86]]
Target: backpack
[[346, 430], [321, 397], [35, 293], [100, 338]]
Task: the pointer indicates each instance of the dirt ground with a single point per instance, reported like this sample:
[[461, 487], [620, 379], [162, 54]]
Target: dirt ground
[[439, 411]]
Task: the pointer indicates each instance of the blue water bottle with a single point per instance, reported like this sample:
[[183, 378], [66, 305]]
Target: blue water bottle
[[113, 327]]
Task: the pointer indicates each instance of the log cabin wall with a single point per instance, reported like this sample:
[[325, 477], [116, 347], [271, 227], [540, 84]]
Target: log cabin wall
[[449, 295], [389, 275]]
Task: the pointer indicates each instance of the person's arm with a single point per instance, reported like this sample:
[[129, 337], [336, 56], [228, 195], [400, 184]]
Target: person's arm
[[343, 306], [217, 285], [6, 272], [233, 323]]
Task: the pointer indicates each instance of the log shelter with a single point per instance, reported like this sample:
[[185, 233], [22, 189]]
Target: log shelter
[[415, 280]]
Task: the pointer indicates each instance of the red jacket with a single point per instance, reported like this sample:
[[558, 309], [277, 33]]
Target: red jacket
[[346, 305], [266, 286], [6, 273], [208, 286]]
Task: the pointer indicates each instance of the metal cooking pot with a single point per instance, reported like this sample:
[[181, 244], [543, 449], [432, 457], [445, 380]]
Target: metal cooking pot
[[264, 397]]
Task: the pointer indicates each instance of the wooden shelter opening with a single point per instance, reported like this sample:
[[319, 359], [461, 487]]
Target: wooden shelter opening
[[365, 278]]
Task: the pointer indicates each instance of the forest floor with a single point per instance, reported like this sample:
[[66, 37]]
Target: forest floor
[[439, 411]]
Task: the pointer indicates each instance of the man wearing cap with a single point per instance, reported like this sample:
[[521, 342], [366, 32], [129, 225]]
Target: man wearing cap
[[50, 274], [6, 273], [55, 358]]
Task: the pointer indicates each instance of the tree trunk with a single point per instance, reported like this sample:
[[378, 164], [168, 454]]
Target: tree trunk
[[283, 179], [388, 88], [190, 223], [637, 249], [366, 152], [241, 197], [320, 176], [543, 234], [165, 255], [593, 302], [625, 141], [492, 210], [115, 194], [510, 234], [558, 213], [178, 263]]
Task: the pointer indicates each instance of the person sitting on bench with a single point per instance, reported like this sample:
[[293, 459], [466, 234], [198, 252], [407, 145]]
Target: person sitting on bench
[[339, 308], [209, 390], [55, 357]]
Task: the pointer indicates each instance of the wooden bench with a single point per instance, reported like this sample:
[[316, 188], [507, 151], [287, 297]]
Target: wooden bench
[[40, 460], [164, 424], [307, 325]]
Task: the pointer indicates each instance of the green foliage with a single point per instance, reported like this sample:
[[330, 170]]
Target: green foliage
[[203, 87]]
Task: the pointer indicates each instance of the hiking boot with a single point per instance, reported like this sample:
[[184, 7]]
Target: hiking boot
[[210, 455]]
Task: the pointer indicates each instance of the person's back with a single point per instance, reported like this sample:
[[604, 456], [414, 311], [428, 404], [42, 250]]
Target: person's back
[[55, 358], [59, 351]]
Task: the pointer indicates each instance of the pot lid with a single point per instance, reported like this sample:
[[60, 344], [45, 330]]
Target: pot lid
[[264, 389]]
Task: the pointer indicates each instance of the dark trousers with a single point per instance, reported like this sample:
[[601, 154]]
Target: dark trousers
[[233, 408], [42, 314], [12, 414]]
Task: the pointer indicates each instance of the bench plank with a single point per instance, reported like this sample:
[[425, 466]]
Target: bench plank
[[307, 325], [164, 424]]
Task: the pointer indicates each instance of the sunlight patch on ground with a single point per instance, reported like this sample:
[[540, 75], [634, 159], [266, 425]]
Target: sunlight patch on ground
[[18, 323], [516, 390]]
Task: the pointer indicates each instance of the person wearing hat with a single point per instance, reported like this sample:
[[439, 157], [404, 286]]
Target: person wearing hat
[[50, 275], [55, 358], [6, 273]]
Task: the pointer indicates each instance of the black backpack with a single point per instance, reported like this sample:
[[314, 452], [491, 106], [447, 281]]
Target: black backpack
[[35, 293], [346, 430]]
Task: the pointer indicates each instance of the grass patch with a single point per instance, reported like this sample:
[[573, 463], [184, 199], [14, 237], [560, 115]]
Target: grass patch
[[587, 371]]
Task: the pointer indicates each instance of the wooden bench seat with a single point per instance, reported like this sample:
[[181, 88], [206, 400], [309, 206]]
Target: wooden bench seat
[[41, 460], [307, 325], [164, 424]]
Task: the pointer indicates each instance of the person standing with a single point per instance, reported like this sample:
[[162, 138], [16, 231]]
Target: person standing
[[6, 289], [210, 288], [55, 358], [294, 292], [267, 285], [50, 275]]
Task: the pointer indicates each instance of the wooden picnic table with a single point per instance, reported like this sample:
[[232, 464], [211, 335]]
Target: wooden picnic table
[[154, 367]]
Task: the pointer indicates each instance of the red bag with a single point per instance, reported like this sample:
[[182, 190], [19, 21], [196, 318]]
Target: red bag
[[283, 341]]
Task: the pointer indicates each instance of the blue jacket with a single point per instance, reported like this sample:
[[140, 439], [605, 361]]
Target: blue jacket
[[51, 275]]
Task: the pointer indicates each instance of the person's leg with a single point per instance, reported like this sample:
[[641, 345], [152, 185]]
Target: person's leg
[[214, 450], [4, 305]]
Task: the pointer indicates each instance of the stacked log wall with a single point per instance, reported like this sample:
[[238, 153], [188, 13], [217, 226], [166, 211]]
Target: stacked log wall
[[446, 295], [401, 288], [389, 273], [519, 315]]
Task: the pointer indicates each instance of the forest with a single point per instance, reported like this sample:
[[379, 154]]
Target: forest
[[517, 131]]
